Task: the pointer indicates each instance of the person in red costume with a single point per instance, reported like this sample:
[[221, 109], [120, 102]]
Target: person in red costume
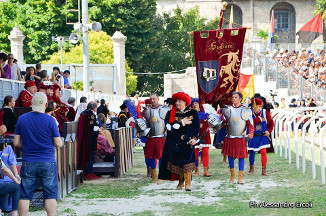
[[25, 97], [264, 125], [238, 120], [61, 108], [205, 138]]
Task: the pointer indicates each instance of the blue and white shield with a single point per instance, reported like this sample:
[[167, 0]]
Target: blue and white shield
[[208, 73]]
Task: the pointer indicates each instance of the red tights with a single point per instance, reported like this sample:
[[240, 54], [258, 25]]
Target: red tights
[[205, 153], [263, 157]]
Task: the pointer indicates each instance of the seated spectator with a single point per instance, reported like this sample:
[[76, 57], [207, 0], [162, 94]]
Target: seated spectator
[[105, 152], [9, 184], [7, 117], [50, 110], [15, 70], [101, 120], [67, 82], [25, 97], [5, 70], [81, 107], [103, 108], [71, 113]]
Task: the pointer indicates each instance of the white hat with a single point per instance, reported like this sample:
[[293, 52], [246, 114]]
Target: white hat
[[39, 102]]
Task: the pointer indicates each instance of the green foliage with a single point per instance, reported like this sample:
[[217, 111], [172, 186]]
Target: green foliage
[[78, 85], [39, 20], [100, 52], [321, 7], [264, 35]]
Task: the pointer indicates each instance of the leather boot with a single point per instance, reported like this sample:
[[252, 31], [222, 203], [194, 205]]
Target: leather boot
[[181, 182], [232, 171], [196, 171], [206, 173], [187, 177], [224, 158], [251, 170], [240, 178], [263, 172], [149, 172], [154, 176]]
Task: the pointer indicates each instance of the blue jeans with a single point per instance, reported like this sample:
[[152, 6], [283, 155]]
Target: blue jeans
[[46, 172], [7, 188]]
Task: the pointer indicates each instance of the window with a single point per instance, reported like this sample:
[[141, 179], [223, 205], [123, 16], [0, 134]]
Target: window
[[282, 20]]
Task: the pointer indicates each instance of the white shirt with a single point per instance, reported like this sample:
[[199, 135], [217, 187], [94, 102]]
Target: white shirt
[[14, 72]]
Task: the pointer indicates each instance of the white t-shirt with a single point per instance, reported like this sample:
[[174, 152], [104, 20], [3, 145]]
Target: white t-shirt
[[14, 70]]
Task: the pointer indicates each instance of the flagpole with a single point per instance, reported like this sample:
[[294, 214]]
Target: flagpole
[[222, 15]]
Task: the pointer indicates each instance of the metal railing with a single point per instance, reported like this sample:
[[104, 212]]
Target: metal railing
[[261, 64], [289, 121], [13, 88]]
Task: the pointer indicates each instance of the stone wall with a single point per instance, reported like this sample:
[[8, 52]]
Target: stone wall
[[255, 13], [186, 82]]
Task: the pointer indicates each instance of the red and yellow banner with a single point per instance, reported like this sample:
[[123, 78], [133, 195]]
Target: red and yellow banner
[[246, 84]]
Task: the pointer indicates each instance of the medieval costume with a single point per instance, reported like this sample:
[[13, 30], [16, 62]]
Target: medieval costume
[[123, 116], [105, 152], [235, 146], [154, 144], [71, 113], [61, 110], [178, 159], [25, 97], [205, 141], [8, 119], [260, 142], [87, 142]]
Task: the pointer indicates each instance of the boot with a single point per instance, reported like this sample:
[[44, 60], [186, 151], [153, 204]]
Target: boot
[[149, 172], [232, 171], [187, 177], [181, 182], [240, 179], [154, 175], [264, 171], [251, 170], [196, 171], [206, 173], [224, 158]]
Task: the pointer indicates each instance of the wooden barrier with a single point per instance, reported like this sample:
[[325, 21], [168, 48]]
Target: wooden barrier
[[67, 161], [124, 155]]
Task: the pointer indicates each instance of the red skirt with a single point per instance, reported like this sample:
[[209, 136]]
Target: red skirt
[[235, 147], [154, 147]]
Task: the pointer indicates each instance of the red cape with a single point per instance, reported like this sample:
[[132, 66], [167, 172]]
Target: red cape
[[84, 141]]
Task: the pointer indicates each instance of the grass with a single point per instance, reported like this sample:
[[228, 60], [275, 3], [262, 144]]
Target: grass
[[289, 185]]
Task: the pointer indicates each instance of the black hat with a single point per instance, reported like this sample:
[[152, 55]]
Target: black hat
[[102, 101], [123, 106], [169, 101]]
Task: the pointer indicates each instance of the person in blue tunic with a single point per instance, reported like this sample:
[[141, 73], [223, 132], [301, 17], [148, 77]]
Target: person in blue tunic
[[263, 124], [178, 159]]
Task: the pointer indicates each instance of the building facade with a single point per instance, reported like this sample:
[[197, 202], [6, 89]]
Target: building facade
[[289, 16]]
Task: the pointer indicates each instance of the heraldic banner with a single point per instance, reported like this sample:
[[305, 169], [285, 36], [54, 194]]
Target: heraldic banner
[[218, 56]]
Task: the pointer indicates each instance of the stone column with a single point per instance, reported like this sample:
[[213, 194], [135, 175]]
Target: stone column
[[16, 38], [120, 61]]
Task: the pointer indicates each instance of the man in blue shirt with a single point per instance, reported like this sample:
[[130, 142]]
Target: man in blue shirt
[[67, 82], [37, 134]]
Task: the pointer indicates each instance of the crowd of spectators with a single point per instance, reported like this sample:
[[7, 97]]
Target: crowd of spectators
[[37, 81], [309, 64]]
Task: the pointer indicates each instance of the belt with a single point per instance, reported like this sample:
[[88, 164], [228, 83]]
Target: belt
[[241, 136]]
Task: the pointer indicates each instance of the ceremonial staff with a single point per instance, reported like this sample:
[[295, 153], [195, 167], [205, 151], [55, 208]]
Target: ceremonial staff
[[222, 15]]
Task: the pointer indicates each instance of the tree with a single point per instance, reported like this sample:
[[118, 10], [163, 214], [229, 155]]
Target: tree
[[175, 52], [264, 35], [100, 52], [321, 7], [39, 20]]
